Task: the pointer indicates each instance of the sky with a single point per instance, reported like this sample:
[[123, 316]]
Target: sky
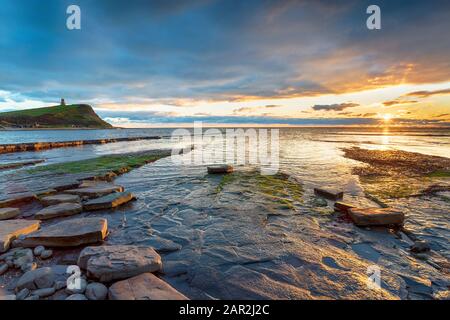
[[268, 62]]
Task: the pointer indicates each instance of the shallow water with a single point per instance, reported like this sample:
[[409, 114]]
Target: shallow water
[[238, 243]]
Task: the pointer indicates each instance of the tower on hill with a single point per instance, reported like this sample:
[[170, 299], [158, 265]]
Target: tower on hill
[[63, 103]]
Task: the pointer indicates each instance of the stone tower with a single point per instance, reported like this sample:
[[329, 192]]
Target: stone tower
[[63, 103]]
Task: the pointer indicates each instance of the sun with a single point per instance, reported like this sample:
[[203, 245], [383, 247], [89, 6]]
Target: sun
[[387, 117]]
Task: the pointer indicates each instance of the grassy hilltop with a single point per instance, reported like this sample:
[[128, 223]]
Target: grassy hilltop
[[62, 116]]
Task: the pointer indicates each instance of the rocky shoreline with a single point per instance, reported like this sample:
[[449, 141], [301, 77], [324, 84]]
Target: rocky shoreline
[[224, 235], [37, 146], [25, 248]]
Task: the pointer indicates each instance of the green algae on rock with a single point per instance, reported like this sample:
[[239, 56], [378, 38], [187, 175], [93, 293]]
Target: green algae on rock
[[280, 188], [393, 174], [109, 163]]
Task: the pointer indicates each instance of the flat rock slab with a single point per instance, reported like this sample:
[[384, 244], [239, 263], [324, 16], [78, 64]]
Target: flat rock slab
[[108, 202], [24, 198], [331, 194], [342, 207], [108, 263], [11, 229], [95, 191], [376, 216], [146, 286], [59, 210], [70, 233], [60, 198], [8, 213]]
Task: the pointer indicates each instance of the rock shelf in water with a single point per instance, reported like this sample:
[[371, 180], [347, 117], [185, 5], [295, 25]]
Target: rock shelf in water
[[36, 146]]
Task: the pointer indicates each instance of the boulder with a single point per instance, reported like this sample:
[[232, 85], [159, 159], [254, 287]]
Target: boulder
[[96, 291], [70, 233], [11, 229], [108, 263], [144, 287], [42, 293], [22, 294], [60, 198], [28, 267], [376, 216], [59, 210], [220, 169], [95, 191], [331, 194], [108, 202], [37, 279], [8, 213]]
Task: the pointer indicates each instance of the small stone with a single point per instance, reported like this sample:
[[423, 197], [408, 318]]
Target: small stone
[[28, 267], [8, 213], [3, 268], [76, 297], [220, 169], [331, 194], [22, 294], [46, 254], [420, 246], [60, 285], [33, 297], [42, 293], [38, 250], [23, 257], [80, 289], [96, 291]]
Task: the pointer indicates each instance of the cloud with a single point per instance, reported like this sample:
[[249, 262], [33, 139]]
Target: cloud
[[426, 94], [217, 50], [334, 107], [397, 102]]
